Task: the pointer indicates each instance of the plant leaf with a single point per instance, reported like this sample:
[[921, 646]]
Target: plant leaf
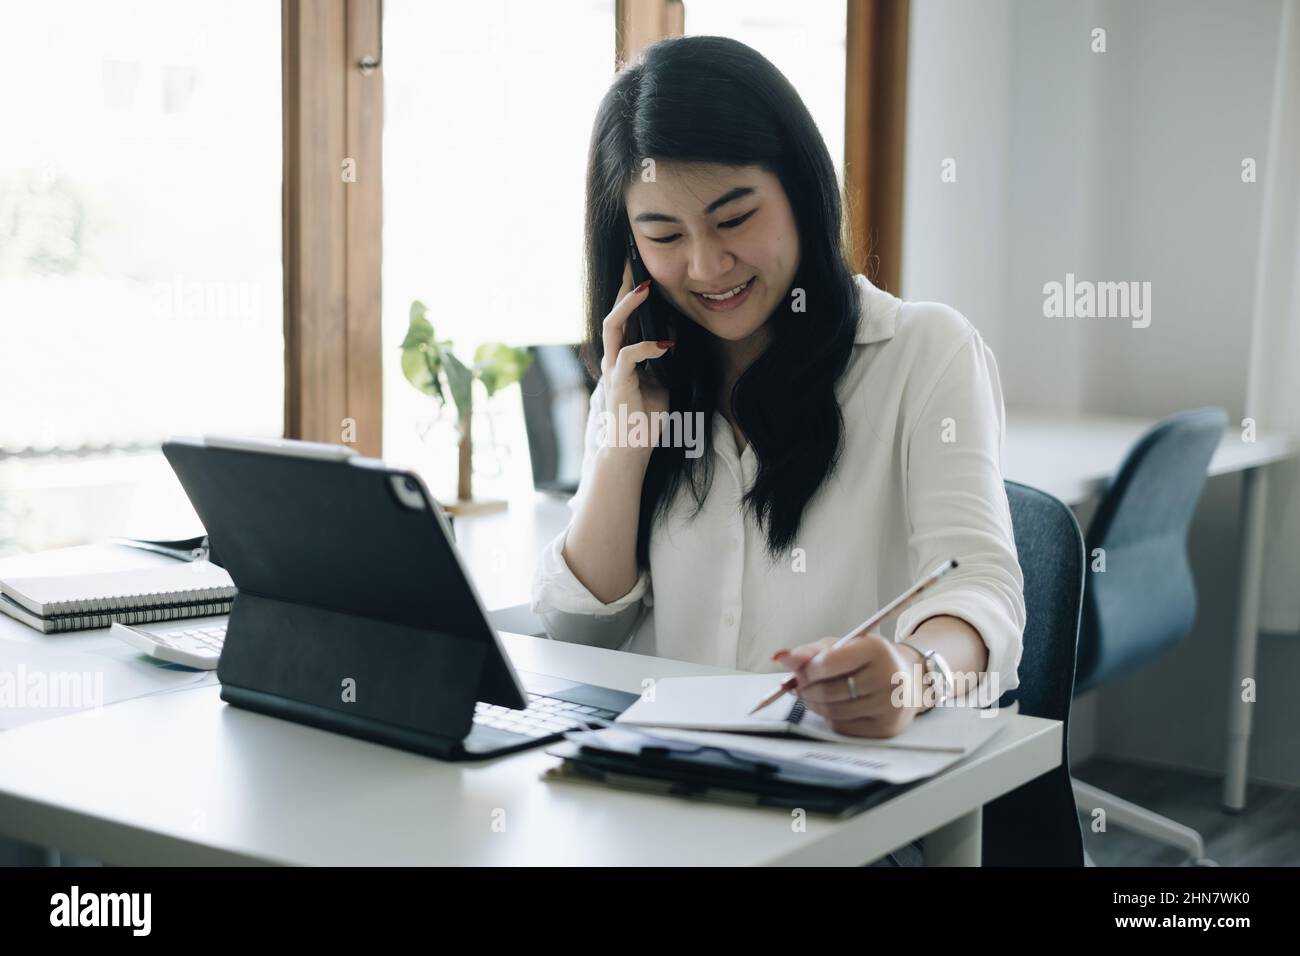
[[459, 380], [420, 331], [500, 366], [419, 365], [421, 362]]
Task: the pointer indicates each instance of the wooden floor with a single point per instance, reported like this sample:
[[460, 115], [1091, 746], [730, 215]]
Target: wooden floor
[[1267, 833]]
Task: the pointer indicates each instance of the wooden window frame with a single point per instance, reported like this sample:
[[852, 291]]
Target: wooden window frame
[[875, 125], [333, 225]]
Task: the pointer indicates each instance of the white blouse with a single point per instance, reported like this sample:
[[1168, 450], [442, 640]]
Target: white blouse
[[919, 481]]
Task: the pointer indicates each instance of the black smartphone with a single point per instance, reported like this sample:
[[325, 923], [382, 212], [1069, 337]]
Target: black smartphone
[[647, 323]]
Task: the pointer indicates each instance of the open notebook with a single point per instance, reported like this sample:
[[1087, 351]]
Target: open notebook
[[70, 602], [723, 703]]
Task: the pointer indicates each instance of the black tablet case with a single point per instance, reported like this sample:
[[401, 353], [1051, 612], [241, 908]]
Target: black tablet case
[[339, 579]]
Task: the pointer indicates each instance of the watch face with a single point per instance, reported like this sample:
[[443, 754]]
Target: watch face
[[937, 666]]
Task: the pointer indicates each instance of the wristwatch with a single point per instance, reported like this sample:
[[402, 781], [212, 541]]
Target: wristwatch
[[936, 665]]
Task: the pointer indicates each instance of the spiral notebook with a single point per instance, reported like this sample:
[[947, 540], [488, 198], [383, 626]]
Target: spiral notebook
[[71, 602]]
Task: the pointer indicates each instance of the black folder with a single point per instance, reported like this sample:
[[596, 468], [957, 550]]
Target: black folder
[[631, 759]]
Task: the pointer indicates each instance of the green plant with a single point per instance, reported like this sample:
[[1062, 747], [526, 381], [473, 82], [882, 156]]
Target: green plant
[[431, 366]]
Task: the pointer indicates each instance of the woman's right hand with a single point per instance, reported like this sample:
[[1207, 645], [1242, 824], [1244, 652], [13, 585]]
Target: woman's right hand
[[625, 385]]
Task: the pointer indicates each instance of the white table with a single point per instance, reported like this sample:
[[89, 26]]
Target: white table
[[1071, 456], [182, 778]]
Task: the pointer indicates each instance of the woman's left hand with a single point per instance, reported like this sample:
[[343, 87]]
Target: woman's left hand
[[872, 661]]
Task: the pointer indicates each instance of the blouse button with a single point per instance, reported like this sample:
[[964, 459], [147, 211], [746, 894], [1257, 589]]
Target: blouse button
[[729, 620]]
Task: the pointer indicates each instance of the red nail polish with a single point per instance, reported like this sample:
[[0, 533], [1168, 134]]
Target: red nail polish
[[643, 285], [779, 654], [665, 343]]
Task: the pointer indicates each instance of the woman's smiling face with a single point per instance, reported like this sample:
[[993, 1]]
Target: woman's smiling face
[[708, 228]]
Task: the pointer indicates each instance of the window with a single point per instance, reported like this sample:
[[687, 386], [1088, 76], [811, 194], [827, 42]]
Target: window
[[140, 277], [488, 113]]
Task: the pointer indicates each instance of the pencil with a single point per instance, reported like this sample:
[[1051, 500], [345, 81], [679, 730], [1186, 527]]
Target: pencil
[[897, 604]]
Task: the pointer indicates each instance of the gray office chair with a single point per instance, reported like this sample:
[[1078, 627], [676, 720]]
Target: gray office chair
[[517, 619], [1037, 823], [1144, 603]]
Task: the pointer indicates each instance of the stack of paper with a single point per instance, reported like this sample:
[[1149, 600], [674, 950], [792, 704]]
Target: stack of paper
[[714, 711]]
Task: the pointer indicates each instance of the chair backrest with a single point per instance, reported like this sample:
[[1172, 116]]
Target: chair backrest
[[1037, 824], [556, 390], [1144, 601]]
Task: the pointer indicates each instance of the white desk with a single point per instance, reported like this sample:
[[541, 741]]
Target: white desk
[[1068, 455], [1073, 456], [183, 778]]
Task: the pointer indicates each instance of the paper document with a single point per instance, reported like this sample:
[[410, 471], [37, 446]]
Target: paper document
[[723, 703], [863, 759]]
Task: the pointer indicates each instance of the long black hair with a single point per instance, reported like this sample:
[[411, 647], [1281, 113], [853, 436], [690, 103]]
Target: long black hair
[[708, 99]]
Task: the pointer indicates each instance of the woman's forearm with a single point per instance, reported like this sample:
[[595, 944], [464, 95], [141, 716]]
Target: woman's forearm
[[955, 640], [600, 548]]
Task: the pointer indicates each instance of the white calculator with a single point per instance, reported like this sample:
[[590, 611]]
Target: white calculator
[[196, 646]]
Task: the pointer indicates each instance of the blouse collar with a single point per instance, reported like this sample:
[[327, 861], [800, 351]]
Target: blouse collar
[[878, 317]]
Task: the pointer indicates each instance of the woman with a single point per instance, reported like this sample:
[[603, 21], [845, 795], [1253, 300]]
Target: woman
[[852, 440]]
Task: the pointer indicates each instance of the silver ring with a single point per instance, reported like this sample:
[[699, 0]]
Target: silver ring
[[853, 691]]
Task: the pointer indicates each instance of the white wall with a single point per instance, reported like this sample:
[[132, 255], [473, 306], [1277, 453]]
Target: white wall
[[955, 233], [1116, 166]]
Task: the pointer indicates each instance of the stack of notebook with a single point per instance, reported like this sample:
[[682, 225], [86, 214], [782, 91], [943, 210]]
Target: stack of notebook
[[93, 587]]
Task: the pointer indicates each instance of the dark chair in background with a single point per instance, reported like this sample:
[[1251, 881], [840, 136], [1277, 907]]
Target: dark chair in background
[[557, 397], [1037, 823], [1144, 603]]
